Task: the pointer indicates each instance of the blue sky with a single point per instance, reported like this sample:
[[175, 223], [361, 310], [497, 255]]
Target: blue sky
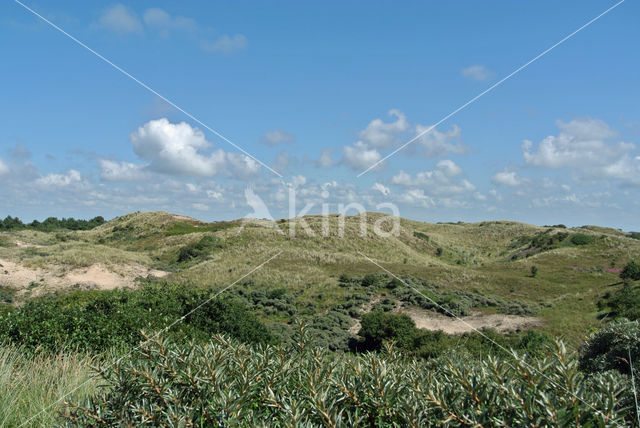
[[319, 92]]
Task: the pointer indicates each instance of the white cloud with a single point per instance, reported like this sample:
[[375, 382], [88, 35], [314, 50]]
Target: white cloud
[[626, 169], [440, 181], [120, 19], [175, 149], [379, 134], [241, 166], [435, 143], [381, 188], [298, 180], [325, 160], [477, 72], [581, 143], [360, 156], [506, 178], [162, 21], [448, 167], [212, 194], [4, 168], [402, 179], [417, 196], [111, 170], [70, 178], [226, 44], [277, 136], [588, 147]]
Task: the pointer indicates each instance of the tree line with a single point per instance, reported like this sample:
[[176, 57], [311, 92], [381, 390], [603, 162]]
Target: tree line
[[51, 223]]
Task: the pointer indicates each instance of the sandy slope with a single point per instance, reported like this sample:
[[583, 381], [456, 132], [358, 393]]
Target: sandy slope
[[96, 276]]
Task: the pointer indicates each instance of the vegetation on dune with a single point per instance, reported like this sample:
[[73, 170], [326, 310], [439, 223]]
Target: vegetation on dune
[[225, 383], [98, 320], [50, 224], [388, 374], [378, 328], [31, 386]]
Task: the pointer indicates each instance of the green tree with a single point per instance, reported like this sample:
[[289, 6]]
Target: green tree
[[534, 271], [378, 327]]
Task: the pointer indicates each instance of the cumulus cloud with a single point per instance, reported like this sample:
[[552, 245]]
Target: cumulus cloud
[[70, 178], [360, 156], [241, 166], [477, 72], [587, 146], [277, 136], [120, 19], [226, 44], [442, 180], [381, 188], [435, 143], [176, 149], [581, 142], [448, 167], [111, 170], [417, 196], [162, 21], [507, 178], [379, 134]]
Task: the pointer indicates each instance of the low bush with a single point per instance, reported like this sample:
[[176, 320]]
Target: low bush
[[225, 383], [611, 347], [624, 303], [631, 271], [98, 320], [200, 249], [582, 239]]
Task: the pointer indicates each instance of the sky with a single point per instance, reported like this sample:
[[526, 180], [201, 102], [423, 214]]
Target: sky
[[198, 108]]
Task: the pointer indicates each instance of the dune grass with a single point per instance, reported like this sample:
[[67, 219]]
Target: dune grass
[[31, 387]]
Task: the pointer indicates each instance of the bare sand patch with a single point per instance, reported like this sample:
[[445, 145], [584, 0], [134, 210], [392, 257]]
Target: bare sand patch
[[183, 217], [476, 321], [26, 245], [56, 277]]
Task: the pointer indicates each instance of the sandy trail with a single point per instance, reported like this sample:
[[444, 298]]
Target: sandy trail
[[476, 321]]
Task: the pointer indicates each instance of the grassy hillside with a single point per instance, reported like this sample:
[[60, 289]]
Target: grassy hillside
[[491, 259]]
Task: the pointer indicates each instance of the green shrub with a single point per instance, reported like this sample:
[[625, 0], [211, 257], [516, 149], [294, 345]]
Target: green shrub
[[582, 239], [199, 249], [98, 320], [609, 348], [624, 303], [224, 383], [378, 327], [421, 235], [631, 271]]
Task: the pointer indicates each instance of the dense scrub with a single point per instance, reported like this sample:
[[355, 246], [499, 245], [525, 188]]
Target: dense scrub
[[225, 383], [427, 295], [51, 223], [99, 320], [379, 328]]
